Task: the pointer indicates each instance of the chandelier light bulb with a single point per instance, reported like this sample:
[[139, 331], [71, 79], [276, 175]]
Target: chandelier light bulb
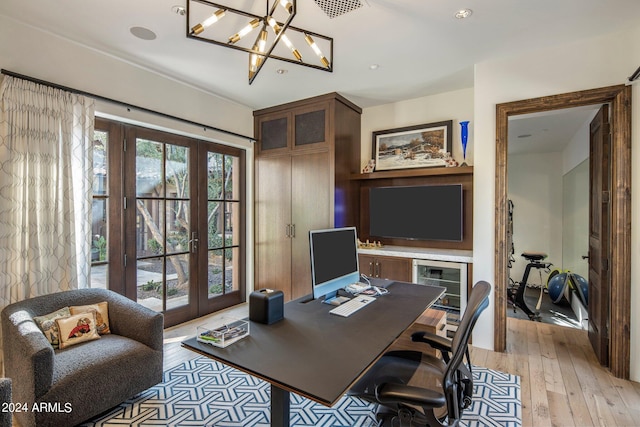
[[276, 29], [287, 5], [317, 50], [244, 31], [209, 21]]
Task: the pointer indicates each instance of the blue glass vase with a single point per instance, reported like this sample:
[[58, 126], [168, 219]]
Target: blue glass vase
[[464, 137]]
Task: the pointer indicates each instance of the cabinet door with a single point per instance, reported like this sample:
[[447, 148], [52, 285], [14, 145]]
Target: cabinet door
[[391, 268], [311, 126], [273, 219], [311, 204], [394, 268], [367, 265], [274, 133]]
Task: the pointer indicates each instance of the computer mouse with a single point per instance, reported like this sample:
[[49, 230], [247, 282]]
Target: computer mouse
[[334, 301]]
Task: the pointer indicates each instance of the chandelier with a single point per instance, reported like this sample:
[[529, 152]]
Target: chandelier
[[262, 37]]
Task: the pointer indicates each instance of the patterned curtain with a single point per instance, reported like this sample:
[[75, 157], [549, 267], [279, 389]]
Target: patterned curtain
[[45, 190]]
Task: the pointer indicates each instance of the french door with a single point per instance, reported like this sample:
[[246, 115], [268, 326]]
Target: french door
[[179, 224]]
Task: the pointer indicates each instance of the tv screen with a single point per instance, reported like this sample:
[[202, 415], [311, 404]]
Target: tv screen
[[426, 212], [334, 259]]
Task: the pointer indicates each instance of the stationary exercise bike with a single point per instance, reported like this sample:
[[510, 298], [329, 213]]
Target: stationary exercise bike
[[516, 291]]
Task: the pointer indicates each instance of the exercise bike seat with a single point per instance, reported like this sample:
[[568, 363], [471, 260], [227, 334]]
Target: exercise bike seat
[[533, 256]]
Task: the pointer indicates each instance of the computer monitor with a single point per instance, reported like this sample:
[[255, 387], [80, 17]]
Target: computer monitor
[[334, 260]]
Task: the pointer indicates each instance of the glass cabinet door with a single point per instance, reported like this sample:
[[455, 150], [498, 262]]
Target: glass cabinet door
[[449, 275]]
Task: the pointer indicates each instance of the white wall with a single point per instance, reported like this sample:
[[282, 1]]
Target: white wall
[[575, 219], [584, 65], [31, 52], [535, 187], [456, 106], [577, 150]]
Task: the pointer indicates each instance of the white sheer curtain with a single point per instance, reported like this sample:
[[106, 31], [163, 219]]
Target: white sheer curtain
[[45, 190]]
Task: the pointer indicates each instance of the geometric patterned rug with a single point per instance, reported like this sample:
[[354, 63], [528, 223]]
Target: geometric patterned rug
[[203, 392]]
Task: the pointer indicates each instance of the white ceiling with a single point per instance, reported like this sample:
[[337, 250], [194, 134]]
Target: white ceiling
[[420, 47], [549, 131]]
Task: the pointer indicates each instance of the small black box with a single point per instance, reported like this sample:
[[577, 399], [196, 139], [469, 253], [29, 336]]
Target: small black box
[[266, 306]]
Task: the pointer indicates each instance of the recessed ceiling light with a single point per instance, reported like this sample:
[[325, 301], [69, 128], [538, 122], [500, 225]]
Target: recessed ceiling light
[[282, 71], [374, 66], [142, 33], [463, 13]]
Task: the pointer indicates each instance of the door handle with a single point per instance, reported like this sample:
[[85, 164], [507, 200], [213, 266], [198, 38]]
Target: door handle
[[293, 230], [193, 243], [585, 256], [288, 231]]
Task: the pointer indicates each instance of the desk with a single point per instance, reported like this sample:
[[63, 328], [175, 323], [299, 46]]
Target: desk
[[319, 355]]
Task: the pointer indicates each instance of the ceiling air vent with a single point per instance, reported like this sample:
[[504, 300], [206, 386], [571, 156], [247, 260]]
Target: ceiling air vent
[[335, 8]]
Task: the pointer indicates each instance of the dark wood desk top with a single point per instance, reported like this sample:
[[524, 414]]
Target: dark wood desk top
[[317, 354]]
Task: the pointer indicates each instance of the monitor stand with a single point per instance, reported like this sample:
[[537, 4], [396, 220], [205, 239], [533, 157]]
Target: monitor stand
[[334, 299]]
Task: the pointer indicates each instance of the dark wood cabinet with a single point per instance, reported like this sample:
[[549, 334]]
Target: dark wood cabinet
[[383, 267], [303, 167], [302, 127]]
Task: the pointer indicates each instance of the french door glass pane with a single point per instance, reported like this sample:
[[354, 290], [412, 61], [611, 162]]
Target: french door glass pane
[[177, 171], [150, 282], [232, 169], [178, 226], [100, 165], [99, 210], [150, 224], [215, 176], [149, 168], [177, 281], [214, 225], [231, 218], [232, 257], [99, 241], [215, 273]]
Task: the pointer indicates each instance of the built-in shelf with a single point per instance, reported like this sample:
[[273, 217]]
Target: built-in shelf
[[406, 173]]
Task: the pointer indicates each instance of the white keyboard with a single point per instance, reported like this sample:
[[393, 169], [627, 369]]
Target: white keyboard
[[348, 308]]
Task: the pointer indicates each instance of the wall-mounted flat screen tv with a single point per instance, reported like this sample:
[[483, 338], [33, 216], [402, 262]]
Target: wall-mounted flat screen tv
[[424, 212]]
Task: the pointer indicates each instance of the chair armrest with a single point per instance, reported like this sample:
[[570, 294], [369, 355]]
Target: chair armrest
[[435, 341], [132, 320], [28, 356], [390, 393]]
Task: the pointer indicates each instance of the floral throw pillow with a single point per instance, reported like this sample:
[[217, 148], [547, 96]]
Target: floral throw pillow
[[47, 324], [78, 328], [101, 310]]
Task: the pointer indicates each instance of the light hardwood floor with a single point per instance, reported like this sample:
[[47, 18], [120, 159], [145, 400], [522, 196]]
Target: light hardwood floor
[[562, 383]]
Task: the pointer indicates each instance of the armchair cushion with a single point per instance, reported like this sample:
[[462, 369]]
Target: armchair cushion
[[78, 328], [47, 323], [102, 315]]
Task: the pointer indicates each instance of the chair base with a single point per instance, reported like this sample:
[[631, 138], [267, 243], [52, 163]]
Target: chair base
[[409, 417]]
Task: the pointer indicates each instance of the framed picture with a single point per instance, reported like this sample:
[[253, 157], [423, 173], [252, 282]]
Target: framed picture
[[420, 146]]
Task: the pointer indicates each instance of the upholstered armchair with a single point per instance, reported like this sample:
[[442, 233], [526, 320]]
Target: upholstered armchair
[[5, 398], [78, 382]]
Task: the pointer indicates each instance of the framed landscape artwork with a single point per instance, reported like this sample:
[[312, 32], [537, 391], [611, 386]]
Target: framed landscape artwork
[[420, 146]]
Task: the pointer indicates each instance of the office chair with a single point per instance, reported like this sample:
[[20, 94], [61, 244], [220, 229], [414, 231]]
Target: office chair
[[445, 385]]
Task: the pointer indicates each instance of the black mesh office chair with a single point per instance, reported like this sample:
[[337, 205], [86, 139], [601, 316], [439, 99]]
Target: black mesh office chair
[[441, 387]]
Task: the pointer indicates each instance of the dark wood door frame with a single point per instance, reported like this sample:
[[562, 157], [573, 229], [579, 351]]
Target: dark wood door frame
[[619, 97]]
